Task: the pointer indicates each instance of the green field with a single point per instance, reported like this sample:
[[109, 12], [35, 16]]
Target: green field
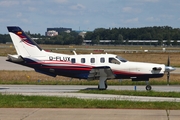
[[134, 93], [20, 101]]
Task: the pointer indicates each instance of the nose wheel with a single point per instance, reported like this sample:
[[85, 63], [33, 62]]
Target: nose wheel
[[148, 87]]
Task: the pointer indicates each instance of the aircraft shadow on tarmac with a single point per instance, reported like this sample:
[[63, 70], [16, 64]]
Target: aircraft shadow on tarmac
[[90, 89], [3, 88]]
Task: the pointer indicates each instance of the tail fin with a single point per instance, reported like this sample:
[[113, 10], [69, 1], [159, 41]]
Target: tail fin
[[24, 45]]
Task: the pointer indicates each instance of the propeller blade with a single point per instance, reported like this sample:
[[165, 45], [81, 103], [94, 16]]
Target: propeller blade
[[168, 78], [168, 61], [168, 74]]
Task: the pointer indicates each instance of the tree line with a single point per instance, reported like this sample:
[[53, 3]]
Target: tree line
[[117, 35]]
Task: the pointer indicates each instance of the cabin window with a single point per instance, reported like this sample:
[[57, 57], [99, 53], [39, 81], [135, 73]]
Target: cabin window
[[92, 60], [114, 61], [102, 60], [83, 60], [73, 60]]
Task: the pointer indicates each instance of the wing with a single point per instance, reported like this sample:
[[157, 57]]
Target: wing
[[102, 71]]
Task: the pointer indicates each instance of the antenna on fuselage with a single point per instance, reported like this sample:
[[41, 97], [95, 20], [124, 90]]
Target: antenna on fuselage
[[74, 52]]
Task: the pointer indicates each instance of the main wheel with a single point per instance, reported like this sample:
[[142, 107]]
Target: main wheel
[[148, 87], [105, 83], [101, 88]]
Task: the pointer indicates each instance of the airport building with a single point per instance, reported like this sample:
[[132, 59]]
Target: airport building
[[51, 33], [56, 31]]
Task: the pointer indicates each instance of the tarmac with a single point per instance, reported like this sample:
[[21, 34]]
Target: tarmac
[[86, 114], [71, 91]]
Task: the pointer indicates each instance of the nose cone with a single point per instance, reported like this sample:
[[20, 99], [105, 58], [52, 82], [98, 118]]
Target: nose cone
[[169, 69]]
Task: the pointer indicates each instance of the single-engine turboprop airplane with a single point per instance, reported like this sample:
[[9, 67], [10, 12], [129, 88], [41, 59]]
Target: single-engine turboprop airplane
[[87, 66]]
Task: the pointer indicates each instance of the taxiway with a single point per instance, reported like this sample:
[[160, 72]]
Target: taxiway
[[71, 91]]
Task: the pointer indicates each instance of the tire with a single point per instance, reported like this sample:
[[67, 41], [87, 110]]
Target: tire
[[102, 88], [148, 87]]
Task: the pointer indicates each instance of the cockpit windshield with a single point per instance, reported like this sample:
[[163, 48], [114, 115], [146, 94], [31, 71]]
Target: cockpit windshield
[[121, 59]]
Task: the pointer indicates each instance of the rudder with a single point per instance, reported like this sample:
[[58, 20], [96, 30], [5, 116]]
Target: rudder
[[24, 45]]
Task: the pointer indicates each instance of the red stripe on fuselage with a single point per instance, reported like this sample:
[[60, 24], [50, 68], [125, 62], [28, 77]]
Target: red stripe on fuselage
[[126, 72]]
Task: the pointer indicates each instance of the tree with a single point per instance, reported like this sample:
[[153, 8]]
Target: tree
[[175, 42], [89, 36], [160, 39], [119, 40], [78, 40], [95, 41], [127, 41], [58, 40], [5, 38]]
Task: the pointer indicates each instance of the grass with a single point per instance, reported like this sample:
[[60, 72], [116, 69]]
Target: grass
[[134, 93], [20, 101]]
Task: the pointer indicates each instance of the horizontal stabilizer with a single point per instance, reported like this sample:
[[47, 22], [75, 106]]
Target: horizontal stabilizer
[[15, 58]]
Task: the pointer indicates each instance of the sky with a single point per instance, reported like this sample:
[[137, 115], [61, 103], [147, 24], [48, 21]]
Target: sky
[[38, 15]]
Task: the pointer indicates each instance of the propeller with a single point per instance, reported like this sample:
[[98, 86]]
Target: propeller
[[168, 69]]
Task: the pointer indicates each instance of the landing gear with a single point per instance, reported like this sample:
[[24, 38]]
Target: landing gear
[[148, 87], [103, 88], [102, 83]]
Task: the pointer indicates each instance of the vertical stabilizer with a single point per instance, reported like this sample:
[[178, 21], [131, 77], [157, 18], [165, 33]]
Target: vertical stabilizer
[[24, 45]]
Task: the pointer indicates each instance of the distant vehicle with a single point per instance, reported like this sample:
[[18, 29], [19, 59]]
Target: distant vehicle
[[86, 66]]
